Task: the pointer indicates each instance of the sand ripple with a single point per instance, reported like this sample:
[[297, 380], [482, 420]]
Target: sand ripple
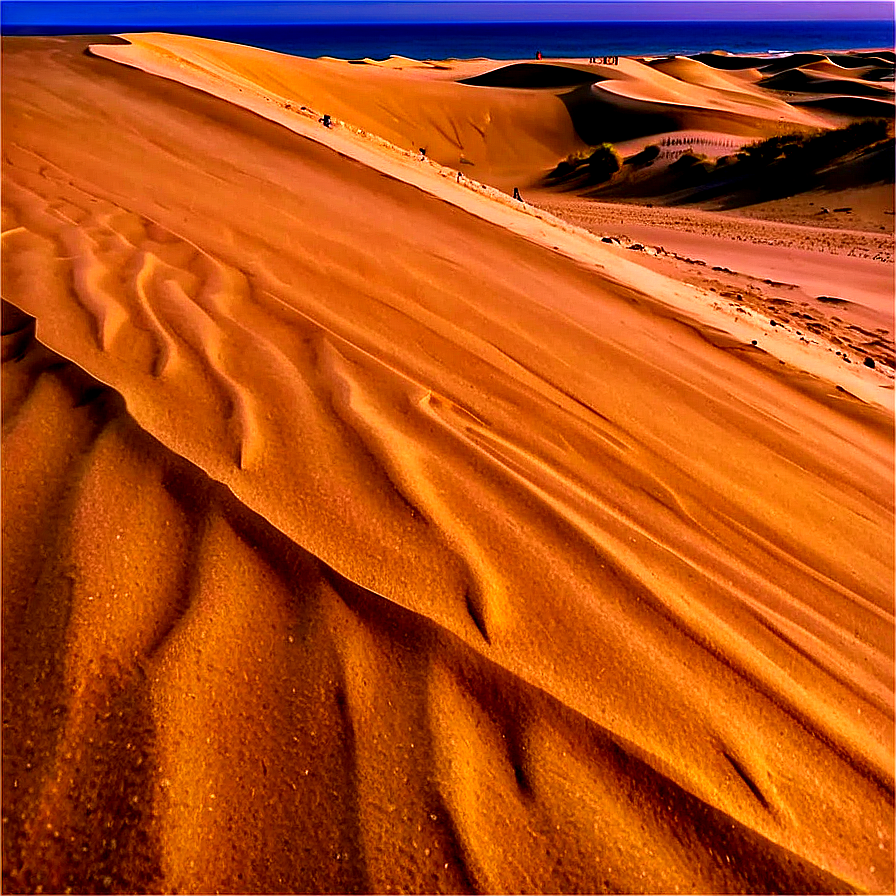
[[353, 543]]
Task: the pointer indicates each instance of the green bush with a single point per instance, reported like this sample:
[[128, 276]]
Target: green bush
[[563, 169], [603, 163], [571, 163], [820, 148], [781, 146], [691, 168], [577, 158], [645, 157], [687, 160], [859, 134]]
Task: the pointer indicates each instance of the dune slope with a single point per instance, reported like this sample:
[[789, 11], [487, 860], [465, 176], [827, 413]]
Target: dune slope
[[496, 135], [509, 124], [354, 543]]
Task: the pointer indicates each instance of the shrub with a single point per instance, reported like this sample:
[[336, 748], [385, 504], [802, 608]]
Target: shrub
[[571, 163], [859, 134], [820, 148], [563, 169], [765, 151], [577, 158], [645, 157], [687, 160], [603, 163], [691, 168]]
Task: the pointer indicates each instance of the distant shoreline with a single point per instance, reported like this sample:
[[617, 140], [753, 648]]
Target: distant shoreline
[[510, 41]]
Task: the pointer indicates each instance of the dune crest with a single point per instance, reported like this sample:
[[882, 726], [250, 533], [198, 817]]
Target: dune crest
[[502, 123], [368, 545], [152, 53]]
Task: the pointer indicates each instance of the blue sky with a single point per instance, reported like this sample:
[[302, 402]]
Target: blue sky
[[309, 11]]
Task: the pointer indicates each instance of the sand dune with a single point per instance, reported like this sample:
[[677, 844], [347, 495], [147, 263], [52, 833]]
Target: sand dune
[[509, 124], [497, 136], [355, 541], [812, 82], [849, 106], [535, 76]]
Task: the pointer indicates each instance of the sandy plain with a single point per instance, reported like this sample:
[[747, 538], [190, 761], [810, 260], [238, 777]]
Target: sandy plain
[[366, 530]]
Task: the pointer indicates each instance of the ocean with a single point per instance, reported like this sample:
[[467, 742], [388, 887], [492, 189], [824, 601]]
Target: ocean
[[507, 40]]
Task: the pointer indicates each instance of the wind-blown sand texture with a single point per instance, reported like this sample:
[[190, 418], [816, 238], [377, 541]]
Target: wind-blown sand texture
[[356, 538]]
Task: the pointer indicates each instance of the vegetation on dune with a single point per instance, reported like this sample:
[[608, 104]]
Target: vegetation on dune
[[817, 149], [777, 166], [690, 168], [690, 160], [571, 163], [790, 163], [602, 163], [786, 164], [645, 157]]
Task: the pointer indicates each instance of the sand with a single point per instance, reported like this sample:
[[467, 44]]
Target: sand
[[365, 530]]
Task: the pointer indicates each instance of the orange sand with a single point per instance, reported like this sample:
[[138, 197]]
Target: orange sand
[[356, 538]]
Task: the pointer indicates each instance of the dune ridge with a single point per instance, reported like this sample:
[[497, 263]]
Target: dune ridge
[[503, 123], [153, 53], [459, 563]]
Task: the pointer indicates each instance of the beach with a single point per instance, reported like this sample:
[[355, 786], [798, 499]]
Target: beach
[[368, 530]]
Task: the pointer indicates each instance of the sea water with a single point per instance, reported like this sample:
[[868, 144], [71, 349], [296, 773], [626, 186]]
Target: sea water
[[494, 40]]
